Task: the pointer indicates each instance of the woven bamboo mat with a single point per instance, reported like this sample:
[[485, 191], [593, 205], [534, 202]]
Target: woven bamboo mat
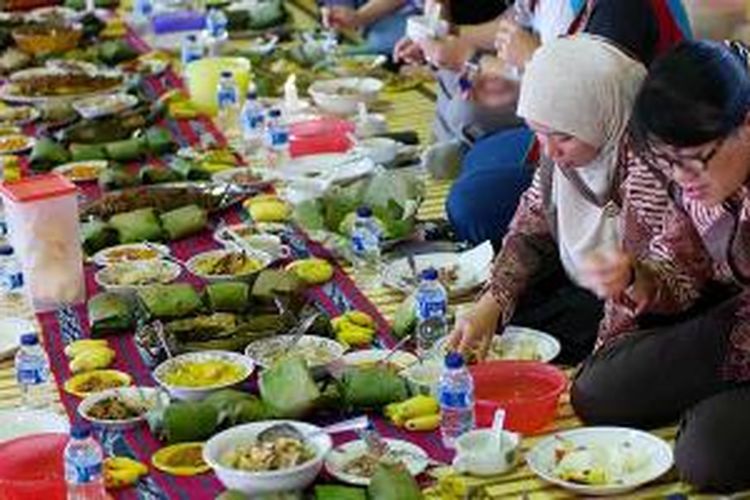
[[411, 110]]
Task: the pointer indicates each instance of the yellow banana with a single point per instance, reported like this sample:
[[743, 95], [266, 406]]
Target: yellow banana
[[419, 406], [360, 318], [354, 335], [120, 472], [426, 423], [78, 346], [92, 359]]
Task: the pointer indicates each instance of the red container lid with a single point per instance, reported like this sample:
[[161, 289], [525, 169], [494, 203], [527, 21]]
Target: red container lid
[[37, 188]]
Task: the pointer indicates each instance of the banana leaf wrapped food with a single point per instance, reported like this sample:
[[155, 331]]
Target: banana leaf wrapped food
[[109, 313], [183, 421], [125, 150], [339, 492], [236, 407], [86, 152], [154, 175], [189, 169], [288, 389], [96, 235], [202, 327], [159, 141], [173, 301], [393, 482], [229, 296], [112, 52], [137, 226], [184, 221], [114, 178], [372, 387], [46, 154]]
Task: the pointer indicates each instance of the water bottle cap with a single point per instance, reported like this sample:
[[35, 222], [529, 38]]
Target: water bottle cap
[[29, 339], [226, 74], [6, 250], [364, 211], [274, 113], [192, 38], [80, 431], [430, 274], [454, 360], [251, 94]]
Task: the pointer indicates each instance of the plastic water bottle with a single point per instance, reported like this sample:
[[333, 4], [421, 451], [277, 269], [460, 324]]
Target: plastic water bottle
[[366, 236], [456, 396], [216, 26], [32, 372], [277, 138], [251, 123], [11, 276], [192, 49], [432, 306], [83, 459], [142, 12], [228, 99]]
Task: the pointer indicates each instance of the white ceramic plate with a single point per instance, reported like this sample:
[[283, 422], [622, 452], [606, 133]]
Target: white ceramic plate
[[245, 237], [414, 458], [326, 169], [198, 393], [11, 330], [397, 273], [68, 170], [144, 397], [517, 343], [265, 351], [140, 272], [400, 359], [24, 144], [18, 423], [264, 259], [127, 253], [96, 106], [649, 455]]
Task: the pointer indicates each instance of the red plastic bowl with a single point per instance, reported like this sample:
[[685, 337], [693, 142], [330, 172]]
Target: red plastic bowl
[[320, 135], [529, 392], [32, 467]]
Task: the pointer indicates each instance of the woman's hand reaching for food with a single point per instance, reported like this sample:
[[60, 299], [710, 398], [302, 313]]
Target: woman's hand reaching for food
[[472, 335], [408, 51], [447, 53], [515, 45], [608, 274]]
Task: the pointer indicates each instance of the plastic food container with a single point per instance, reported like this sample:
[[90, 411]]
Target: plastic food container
[[322, 135], [42, 217], [203, 77], [529, 392]]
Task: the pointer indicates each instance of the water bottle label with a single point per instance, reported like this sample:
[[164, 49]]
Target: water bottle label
[[227, 98], [84, 473], [30, 375], [431, 308], [454, 399], [279, 137], [190, 55], [12, 281]]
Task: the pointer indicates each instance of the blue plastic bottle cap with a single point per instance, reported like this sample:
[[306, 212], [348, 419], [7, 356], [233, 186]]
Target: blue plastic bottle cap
[[6, 250], [274, 113], [80, 431], [252, 95], [226, 74], [454, 360], [29, 339], [192, 38], [364, 211], [430, 274]]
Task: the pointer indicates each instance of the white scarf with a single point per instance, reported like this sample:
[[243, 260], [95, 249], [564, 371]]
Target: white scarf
[[585, 87]]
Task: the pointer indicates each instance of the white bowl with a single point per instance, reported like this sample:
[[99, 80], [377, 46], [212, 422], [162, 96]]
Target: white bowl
[[264, 351], [264, 258], [261, 483], [198, 393], [423, 378], [105, 276], [328, 95], [144, 396], [400, 359], [381, 150]]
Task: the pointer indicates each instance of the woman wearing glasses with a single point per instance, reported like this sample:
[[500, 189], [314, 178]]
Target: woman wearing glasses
[[691, 125]]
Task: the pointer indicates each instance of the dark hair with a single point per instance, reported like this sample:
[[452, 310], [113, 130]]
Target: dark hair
[[696, 93]]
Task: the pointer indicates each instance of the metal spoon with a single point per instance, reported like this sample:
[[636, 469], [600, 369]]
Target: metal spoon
[[300, 331], [287, 430]]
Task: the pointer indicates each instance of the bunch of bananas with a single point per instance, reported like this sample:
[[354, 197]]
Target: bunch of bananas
[[311, 271], [420, 413], [354, 328], [121, 472], [89, 354]]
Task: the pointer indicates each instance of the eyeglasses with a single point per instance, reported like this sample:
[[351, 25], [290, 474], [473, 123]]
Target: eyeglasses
[[668, 158]]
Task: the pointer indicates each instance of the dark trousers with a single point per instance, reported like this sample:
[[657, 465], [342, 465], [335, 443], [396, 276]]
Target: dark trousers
[[553, 304], [655, 377]]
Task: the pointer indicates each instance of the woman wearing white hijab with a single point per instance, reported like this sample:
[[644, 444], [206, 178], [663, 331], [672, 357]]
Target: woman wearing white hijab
[[576, 95]]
